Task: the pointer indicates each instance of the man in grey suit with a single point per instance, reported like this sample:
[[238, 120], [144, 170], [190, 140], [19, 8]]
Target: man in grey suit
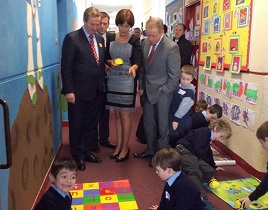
[[160, 76]]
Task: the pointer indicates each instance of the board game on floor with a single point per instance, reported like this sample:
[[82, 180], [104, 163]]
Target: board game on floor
[[231, 190], [112, 195]]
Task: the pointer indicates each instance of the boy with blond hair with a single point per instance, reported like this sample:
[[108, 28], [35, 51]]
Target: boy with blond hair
[[196, 153], [180, 107]]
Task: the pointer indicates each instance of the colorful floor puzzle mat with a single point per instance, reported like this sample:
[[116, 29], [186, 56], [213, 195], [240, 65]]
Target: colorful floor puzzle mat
[[231, 190], [112, 195]]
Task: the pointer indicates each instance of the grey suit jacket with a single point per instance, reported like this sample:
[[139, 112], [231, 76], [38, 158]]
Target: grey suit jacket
[[162, 73]]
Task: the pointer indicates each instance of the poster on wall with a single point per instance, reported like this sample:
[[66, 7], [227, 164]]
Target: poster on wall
[[248, 118], [225, 27], [174, 15]]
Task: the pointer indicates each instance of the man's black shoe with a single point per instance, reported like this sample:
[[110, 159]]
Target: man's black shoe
[[141, 155], [108, 144], [80, 164], [92, 159]]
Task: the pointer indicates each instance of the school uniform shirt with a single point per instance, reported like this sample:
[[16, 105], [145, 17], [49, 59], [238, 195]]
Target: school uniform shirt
[[199, 120], [261, 189], [53, 200], [180, 194], [198, 143]]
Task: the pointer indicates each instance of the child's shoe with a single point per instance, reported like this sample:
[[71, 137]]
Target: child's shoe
[[213, 183]]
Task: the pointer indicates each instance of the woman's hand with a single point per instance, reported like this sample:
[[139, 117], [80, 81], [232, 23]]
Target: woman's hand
[[132, 71], [112, 64]]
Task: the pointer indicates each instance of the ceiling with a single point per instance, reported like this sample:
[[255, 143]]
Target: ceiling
[[112, 7]]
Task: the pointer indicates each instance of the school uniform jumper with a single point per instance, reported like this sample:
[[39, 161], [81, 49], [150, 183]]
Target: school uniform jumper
[[182, 101], [52, 200], [199, 120], [182, 194], [197, 156]]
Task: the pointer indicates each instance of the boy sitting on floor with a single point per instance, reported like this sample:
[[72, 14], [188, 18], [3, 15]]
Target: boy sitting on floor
[[63, 178], [180, 192]]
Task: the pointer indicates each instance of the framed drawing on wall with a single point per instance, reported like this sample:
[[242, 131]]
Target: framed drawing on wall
[[220, 64], [235, 66], [227, 21]]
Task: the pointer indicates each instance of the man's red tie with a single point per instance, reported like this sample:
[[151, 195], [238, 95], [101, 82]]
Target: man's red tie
[[151, 54], [93, 48]]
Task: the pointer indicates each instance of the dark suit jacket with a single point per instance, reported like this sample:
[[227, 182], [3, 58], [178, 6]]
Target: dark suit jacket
[[80, 72], [108, 37], [186, 49], [52, 200], [183, 194]]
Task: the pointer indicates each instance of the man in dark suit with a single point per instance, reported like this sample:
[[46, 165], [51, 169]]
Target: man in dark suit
[[102, 134], [160, 76], [185, 45], [83, 74]]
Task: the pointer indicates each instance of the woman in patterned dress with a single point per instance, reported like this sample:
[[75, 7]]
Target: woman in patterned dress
[[121, 84]]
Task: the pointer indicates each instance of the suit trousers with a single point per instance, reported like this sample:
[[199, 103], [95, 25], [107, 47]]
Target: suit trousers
[[83, 118], [155, 120], [102, 131]]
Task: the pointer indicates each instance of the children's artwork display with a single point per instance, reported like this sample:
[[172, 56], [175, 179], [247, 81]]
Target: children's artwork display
[[248, 118], [112, 195], [231, 190], [225, 35], [236, 114], [251, 92], [226, 109]]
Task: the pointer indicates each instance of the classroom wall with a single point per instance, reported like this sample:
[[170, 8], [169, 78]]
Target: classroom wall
[[244, 142], [29, 83]]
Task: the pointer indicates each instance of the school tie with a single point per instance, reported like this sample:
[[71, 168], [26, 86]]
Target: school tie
[[68, 200], [93, 48], [151, 54]]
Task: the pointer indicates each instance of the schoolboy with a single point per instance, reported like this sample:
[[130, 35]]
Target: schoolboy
[[63, 177], [180, 192], [196, 153], [262, 188], [202, 119], [180, 107], [201, 105]]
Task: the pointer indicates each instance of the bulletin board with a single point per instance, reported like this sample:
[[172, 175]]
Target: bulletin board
[[225, 35], [174, 15]]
